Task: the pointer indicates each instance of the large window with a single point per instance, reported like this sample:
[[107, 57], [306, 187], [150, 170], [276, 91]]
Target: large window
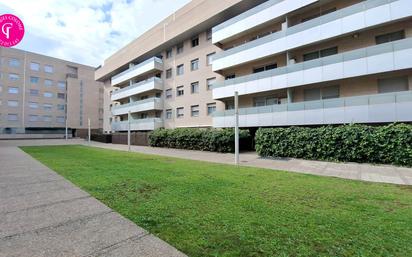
[[34, 80], [169, 114], [47, 107], [194, 87], [61, 84], [180, 112], [48, 68], [211, 108], [33, 105], [209, 34], [33, 118], [230, 76], [34, 92], [398, 35], [14, 62], [60, 95], [395, 84], [14, 77], [169, 73], [209, 83], [179, 48], [194, 110], [314, 94], [209, 59], [12, 117], [34, 66], [169, 93], [194, 64], [47, 118], [12, 103], [180, 91], [48, 82], [60, 119], [169, 53], [48, 94], [265, 68], [13, 90], [319, 54], [195, 41], [264, 101], [180, 70]]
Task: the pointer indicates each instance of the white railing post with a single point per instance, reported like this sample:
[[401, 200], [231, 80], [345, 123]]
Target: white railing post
[[128, 131], [236, 128]]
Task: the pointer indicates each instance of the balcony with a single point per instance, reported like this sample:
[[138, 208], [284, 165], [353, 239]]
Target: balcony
[[138, 125], [387, 57], [255, 17], [138, 106], [380, 108], [367, 14], [140, 69], [138, 88]]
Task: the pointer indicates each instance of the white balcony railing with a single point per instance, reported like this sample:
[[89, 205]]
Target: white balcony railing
[[140, 69], [138, 88], [354, 18], [138, 125], [255, 17], [381, 58], [138, 106], [380, 108]]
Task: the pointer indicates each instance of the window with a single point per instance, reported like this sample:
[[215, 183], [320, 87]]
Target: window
[[169, 53], [314, 94], [180, 112], [49, 69], [179, 48], [47, 107], [169, 93], [398, 35], [229, 105], [60, 107], [194, 110], [33, 105], [61, 84], [231, 76], [321, 13], [48, 94], [390, 85], [265, 101], [46, 118], [13, 77], [195, 41], [194, 87], [169, 114], [33, 118], [34, 92], [320, 54], [209, 59], [169, 73], [34, 66], [14, 63], [60, 119], [48, 82], [194, 64], [12, 103], [34, 80], [180, 91], [211, 108], [61, 96], [209, 83], [265, 68], [12, 117], [180, 69], [209, 34], [13, 90], [143, 116]]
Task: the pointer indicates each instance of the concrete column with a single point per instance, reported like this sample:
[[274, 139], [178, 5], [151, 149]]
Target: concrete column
[[290, 95]]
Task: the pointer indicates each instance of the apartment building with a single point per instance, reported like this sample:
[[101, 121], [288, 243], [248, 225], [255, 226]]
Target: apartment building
[[40, 95], [303, 62]]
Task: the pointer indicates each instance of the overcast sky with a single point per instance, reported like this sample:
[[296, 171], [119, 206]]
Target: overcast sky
[[85, 31]]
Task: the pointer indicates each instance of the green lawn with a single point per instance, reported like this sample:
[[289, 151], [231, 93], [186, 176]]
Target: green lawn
[[207, 209]]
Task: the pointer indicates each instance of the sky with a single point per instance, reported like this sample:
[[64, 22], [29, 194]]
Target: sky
[[85, 31]]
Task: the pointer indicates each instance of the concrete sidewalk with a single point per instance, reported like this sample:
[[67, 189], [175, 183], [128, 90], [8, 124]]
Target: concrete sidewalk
[[42, 214], [355, 171]]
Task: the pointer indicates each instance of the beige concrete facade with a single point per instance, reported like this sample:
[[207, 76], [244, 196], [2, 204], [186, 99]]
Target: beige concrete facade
[[184, 108], [38, 92]]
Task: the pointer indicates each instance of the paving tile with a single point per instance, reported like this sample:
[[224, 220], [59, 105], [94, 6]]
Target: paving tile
[[7, 191], [77, 238]]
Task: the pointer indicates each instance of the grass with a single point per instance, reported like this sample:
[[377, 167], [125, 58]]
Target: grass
[[207, 209]]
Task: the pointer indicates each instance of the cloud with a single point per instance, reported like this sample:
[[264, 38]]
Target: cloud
[[86, 31]]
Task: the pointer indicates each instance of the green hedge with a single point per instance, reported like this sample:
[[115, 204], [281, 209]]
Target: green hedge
[[391, 144], [214, 140]]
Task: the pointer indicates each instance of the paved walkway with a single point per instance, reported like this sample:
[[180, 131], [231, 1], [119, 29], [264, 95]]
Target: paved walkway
[[355, 171], [42, 214]]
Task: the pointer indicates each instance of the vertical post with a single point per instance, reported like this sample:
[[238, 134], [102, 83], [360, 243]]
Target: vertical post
[[236, 128], [66, 133], [128, 131], [88, 124]]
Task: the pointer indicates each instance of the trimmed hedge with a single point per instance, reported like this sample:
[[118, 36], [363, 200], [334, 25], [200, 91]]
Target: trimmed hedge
[[214, 140], [391, 144]]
